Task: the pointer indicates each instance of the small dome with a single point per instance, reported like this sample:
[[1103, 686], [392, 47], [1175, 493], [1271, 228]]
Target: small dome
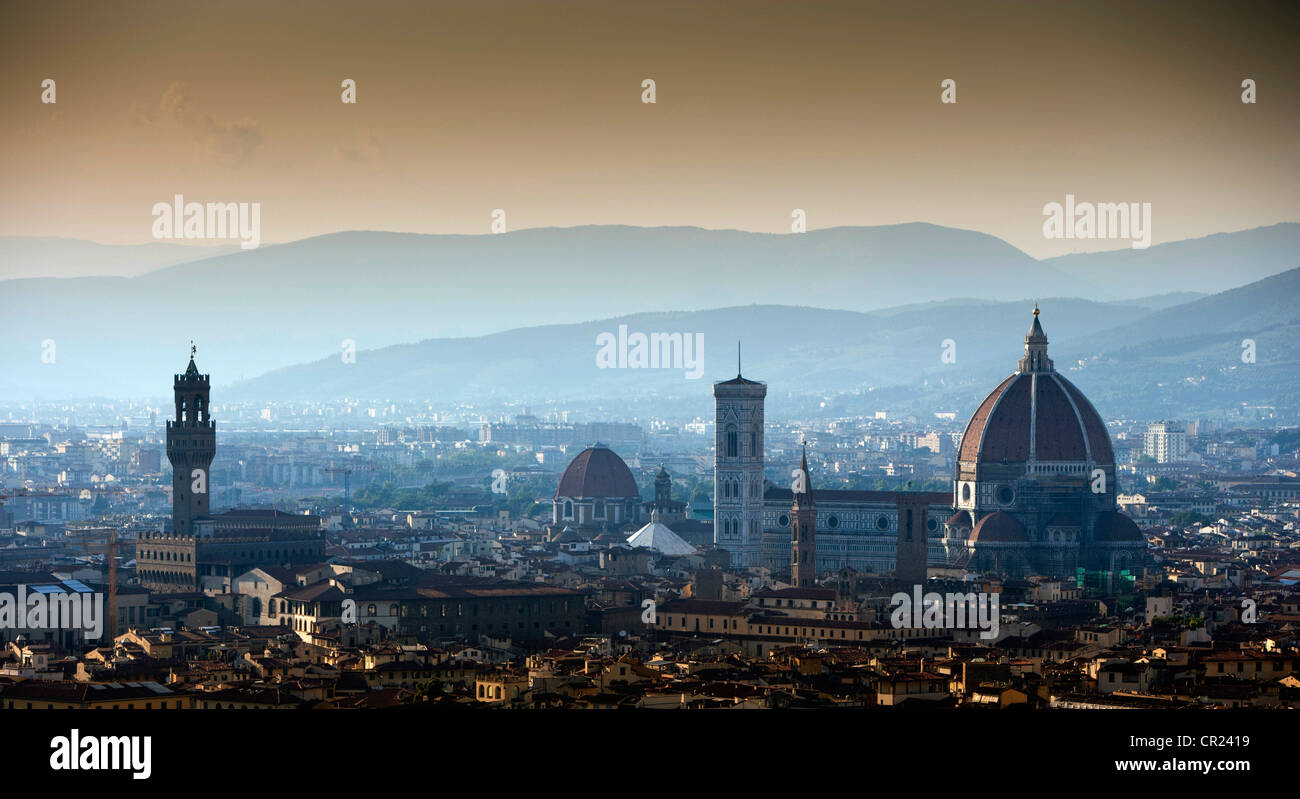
[[999, 527], [597, 472], [1115, 527], [960, 520]]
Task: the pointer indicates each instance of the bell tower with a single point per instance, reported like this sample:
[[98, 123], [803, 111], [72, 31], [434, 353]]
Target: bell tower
[[663, 490], [191, 445], [803, 529], [738, 468]]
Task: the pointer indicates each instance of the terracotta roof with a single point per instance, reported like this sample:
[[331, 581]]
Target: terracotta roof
[[1040, 410], [1115, 526], [597, 472], [999, 527]]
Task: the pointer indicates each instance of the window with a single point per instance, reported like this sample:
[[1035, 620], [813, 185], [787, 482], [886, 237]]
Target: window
[[733, 441]]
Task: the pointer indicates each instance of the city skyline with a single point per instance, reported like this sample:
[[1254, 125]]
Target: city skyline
[[388, 357]]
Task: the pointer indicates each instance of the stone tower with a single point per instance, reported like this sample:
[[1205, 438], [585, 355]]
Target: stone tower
[[803, 529], [663, 491], [738, 469], [911, 556], [191, 445]]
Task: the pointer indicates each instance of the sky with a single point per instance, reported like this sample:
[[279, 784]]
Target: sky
[[536, 108]]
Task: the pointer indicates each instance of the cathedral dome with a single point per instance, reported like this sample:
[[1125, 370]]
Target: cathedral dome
[[1116, 527], [597, 472], [999, 528], [1036, 414]]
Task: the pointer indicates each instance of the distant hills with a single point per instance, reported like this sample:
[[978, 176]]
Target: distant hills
[[897, 291], [1209, 264], [31, 256], [1132, 361]]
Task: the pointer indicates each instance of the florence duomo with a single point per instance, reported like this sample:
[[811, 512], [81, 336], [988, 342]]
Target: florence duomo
[[387, 357], [1035, 488]]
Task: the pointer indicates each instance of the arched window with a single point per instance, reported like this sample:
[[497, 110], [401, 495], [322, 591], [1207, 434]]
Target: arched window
[[392, 610], [568, 509], [733, 442]]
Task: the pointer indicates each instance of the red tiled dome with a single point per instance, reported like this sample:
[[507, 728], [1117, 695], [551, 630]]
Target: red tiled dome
[[999, 527], [597, 472], [1115, 526], [1040, 412]]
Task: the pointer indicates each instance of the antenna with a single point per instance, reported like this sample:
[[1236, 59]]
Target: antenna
[[738, 372]]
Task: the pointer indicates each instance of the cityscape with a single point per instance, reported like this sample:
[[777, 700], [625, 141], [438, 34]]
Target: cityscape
[[938, 363], [526, 561]]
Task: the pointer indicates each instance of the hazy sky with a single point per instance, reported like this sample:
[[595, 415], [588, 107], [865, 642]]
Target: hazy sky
[[535, 108]]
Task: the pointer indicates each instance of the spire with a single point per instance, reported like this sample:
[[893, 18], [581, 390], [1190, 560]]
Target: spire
[[804, 498], [191, 370], [1036, 359], [737, 357]]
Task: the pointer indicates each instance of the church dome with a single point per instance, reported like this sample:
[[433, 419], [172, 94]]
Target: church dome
[[959, 520], [999, 528], [1114, 526], [1036, 414], [597, 472]]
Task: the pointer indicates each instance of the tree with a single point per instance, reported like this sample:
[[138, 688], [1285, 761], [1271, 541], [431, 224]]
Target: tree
[[1187, 518]]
